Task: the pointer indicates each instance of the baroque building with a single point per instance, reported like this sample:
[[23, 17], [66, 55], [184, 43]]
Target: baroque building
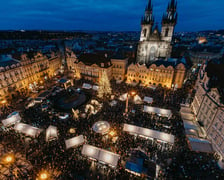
[[208, 103], [168, 74], [26, 72], [89, 66], [153, 44]]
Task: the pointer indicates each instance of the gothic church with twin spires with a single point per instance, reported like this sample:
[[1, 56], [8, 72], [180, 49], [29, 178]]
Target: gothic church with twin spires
[[153, 44]]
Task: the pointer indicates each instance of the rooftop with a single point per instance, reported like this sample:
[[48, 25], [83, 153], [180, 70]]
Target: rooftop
[[7, 60], [91, 58]]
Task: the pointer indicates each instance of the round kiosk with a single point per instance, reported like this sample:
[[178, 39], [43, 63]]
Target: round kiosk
[[101, 127]]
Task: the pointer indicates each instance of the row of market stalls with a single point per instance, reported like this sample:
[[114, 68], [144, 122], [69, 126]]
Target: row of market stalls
[[149, 133], [136, 98], [92, 152], [159, 111], [194, 133], [101, 155]]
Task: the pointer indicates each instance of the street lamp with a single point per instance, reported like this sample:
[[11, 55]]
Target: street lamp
[[112, 133], [43, 175], [9, 159], [132, 93]]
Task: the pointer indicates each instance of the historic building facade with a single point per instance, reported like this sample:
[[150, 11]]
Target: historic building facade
[[169, 74], [89, 66], [208, 109], [154, 45], [25, 73], [119, 69]]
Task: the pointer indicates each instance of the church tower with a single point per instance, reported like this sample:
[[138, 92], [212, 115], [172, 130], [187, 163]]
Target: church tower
[[147, 22], [169, 21], [153, 44]]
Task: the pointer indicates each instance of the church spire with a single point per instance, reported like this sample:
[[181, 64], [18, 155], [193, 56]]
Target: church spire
[[148, 17], [170, 17]]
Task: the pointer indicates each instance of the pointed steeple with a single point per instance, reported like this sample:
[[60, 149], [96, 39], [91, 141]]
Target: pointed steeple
[[170, 17], [148, 18]]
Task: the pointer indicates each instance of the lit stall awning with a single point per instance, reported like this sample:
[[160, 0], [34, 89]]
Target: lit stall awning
[[95, 87], [51, 133], [149, 133], [27, 129], [101, 155], [148, 99], [162, 112], [86, 86], [108, 157], [200, 145], [75, 141], [11, 119], [90, 151]]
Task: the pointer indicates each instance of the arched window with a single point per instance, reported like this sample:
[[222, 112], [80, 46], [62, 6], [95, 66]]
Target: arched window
[[167, 31], [144, 32]]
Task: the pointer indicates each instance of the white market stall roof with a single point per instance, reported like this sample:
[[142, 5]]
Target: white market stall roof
[[113, 103], [11, 119], [123, 97], [149, 133], [75, 141], [200, 145], [51, 133], [101, 155], [137, 99], [95, 87], [86, 86], [159, 111], [148, 99], [27, 129]]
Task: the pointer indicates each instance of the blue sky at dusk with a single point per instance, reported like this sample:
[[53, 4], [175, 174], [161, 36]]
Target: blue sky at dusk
[[114, 15]]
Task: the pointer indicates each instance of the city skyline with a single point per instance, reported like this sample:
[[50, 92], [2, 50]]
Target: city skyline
[[106, 16]]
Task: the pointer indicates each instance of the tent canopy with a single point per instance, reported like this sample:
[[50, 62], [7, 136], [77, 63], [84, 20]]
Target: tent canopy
[[149, 133], [201, 145], [11, 119], [86, 86], [159, 111], [123, 97], [148, 99], [137, 99], [75, 141], [51, 133], [95, 87], [27, 129], [101, 155]]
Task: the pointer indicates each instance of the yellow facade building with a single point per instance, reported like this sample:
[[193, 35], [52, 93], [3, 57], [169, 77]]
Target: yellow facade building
[[163, 73], [26, 73]]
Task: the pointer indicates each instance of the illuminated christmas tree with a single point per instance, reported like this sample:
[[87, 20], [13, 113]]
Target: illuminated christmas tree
[[104, 86]]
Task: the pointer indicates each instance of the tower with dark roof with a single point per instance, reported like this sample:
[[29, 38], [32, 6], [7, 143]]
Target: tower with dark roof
[[169, 21], [153, 44], [147, 22]]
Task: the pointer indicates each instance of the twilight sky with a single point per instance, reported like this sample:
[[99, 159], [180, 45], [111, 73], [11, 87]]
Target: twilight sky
[[114, 15]]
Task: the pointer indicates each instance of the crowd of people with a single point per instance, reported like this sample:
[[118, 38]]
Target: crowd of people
[[175, 160]]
